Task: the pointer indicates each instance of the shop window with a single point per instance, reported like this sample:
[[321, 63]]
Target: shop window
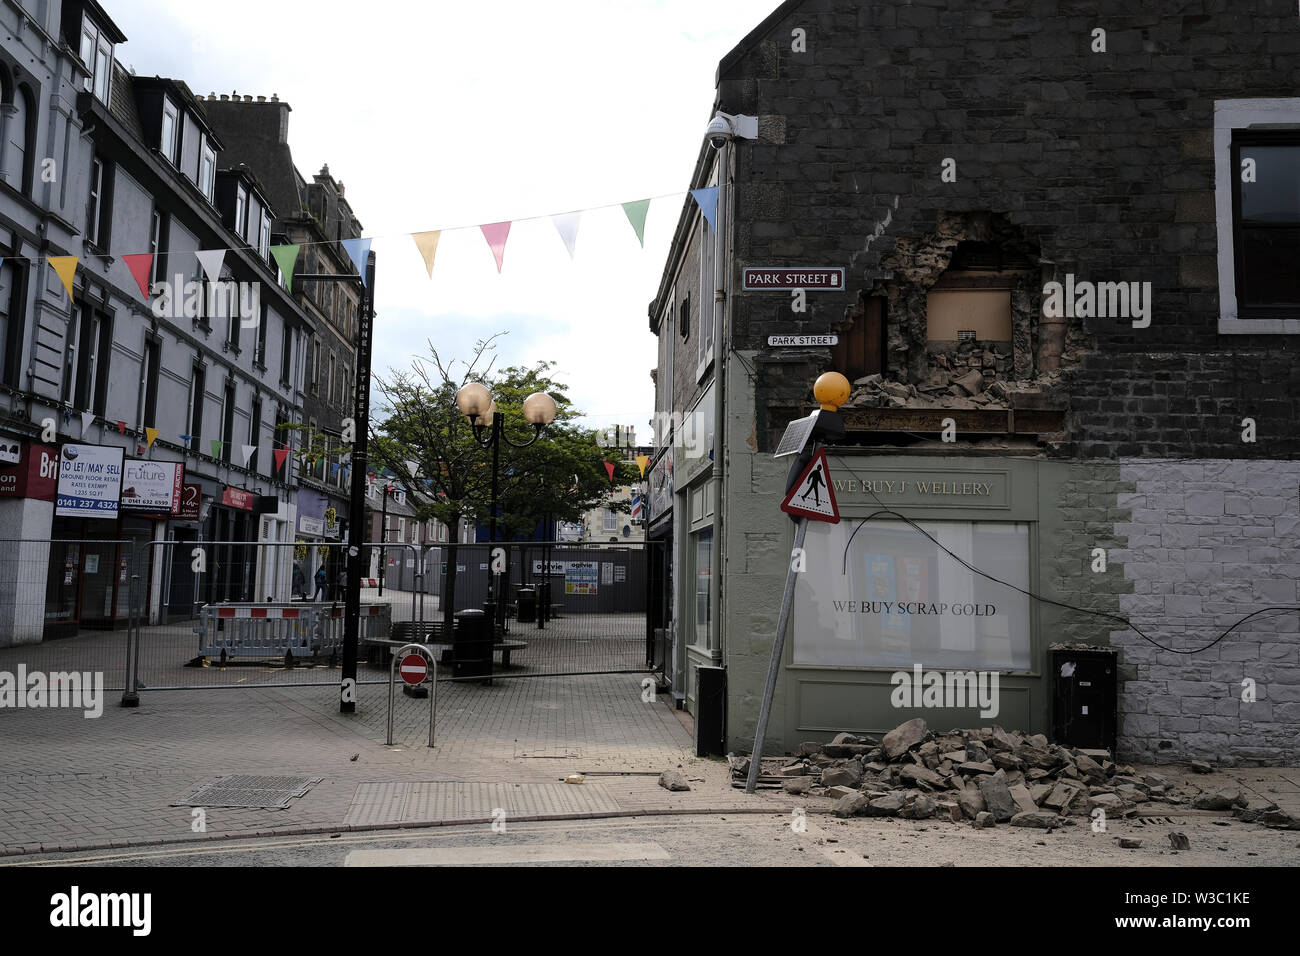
[[881, 594], [702, 542]]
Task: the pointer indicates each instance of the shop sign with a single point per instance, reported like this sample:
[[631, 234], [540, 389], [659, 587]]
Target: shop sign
[[236, 498], [35, 475], [191, 499], [90, 481], [151, 487]]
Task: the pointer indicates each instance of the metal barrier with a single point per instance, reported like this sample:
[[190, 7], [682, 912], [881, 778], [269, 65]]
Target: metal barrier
[[261, 632]]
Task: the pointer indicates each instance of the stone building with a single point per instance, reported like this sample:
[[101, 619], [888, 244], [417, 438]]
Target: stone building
[[1069, 306], [316, 215], [133, 345]]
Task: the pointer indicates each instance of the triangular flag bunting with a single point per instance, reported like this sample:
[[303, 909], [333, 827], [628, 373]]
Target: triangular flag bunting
[[285, 258], [708, 202], [248, 453], [641, 462], [211, 260], [140, 264], [215, 445], [280, 455], [427, 243], [187, 438], [334, 469], [495, 233], [609, 467], [358, 251], [121, 428], [65, 267], [87, 419], [636, 216], [150, 436], [567, 226]]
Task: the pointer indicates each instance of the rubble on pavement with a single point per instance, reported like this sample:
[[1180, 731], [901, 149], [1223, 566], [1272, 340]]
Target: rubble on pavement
[[991, 777]]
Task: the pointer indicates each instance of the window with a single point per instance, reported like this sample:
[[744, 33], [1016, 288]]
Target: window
[[152, 369], [259, 355], [330, 381], [611, 520], [89, 39], [170, 124], [207, 169], [264, 238], [708, 289], [228, 421], [96, 196], [255, 431], [226, 301], [314, 365], [12, 283], [401, 529], [1258, 219], [155, 246], [684, 319], [103, 68], [845, 610], [241, 212], [93, 353], [15, 171], [197, 385], [97, 54], [286, 354], [703, 585]]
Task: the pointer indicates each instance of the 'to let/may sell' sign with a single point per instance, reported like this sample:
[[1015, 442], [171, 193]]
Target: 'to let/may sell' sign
[[90, 481], [786, 278]]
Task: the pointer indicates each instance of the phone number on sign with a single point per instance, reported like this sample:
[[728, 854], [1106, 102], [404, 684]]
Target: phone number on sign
[[85, 504]]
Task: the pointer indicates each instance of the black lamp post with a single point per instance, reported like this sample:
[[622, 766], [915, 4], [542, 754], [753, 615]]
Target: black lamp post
[[475, 403]]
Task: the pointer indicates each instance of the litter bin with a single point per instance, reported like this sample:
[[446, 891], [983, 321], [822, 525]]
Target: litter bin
[[472, 645], [544, 601], [526, 599]]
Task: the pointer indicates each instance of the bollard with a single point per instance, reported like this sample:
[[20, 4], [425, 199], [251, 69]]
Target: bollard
[[130, 694], [433, 687]]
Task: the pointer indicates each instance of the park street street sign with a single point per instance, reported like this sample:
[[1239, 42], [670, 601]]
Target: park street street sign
[[812, 495], [796, 341]]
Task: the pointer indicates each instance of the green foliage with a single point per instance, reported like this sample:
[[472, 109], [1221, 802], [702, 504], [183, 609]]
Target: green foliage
[[431, 448]]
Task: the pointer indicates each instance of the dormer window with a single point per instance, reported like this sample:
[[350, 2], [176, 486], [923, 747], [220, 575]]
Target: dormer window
[[241, 212], [170, 124], [97, 55], [207, 170], [264, 240]]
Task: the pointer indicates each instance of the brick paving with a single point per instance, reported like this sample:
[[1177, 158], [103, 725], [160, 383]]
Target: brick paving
[[69, 782]]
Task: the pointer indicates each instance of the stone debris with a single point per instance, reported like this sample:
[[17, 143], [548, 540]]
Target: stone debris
[[673, 780], [1129, 843], [1179, 841], [989, 776], [967, 385]]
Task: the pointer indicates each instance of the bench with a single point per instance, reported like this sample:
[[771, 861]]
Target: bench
[[380, 648]]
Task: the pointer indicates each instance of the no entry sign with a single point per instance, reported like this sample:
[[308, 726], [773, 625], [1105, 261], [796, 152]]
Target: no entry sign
[[414, 669]]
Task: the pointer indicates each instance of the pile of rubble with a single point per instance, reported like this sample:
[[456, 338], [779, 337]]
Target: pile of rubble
[[987, 776], [960, 388]]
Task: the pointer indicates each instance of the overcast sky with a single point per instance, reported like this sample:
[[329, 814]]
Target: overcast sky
[[440, 115]]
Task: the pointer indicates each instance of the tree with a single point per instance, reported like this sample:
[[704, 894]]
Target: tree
[[429, 446]]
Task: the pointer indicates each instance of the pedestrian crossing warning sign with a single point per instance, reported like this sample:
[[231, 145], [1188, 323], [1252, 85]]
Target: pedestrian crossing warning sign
[[812, 496]]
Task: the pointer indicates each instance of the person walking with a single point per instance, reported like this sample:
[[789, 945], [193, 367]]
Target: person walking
[[299, 582], [320, 583]]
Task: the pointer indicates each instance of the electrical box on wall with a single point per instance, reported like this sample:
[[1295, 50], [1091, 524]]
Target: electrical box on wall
[[1085, 695]]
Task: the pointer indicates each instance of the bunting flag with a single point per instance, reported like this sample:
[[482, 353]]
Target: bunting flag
[[280, 455], [215, 445], [567, 226], [707, 199], [358, 251], [495, 234], [248, 451], [150, 436], [609, 467], [641, 462], [140, 264], [67, 418], [121, 428], [636, 216], [187, 438], [334, 469], [211, 260], [427, 243], [65, 267], [286, 257], [87, 419]]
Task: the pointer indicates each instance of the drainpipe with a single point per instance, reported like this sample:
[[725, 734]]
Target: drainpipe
[[721, 283]]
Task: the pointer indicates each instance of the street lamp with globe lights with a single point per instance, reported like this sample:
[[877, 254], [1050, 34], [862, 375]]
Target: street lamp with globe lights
[[488, 424]]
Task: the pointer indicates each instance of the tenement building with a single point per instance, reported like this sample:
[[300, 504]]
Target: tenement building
[[1055, 255]]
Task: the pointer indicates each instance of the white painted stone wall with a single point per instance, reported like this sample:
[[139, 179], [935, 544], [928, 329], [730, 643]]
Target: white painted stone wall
[[1210, 541]]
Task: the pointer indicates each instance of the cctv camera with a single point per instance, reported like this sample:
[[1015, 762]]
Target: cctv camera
[[719, 132]]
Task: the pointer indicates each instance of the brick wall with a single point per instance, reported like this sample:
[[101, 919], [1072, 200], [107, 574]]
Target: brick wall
[[1209, 542]]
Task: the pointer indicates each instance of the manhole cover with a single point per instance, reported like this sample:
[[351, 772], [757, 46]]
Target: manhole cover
[[250, 792]]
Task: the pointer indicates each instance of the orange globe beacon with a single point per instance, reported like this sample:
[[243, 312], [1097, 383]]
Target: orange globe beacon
[[831, 390]]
